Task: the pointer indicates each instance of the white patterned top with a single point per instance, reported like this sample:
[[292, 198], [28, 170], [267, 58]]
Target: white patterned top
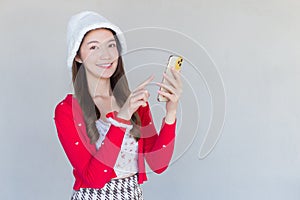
[[126, 163]]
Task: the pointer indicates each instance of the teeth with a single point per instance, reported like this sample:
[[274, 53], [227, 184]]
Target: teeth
[[105, 65]]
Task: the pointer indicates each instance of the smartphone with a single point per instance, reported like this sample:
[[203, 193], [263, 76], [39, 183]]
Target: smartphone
[[174, 61]]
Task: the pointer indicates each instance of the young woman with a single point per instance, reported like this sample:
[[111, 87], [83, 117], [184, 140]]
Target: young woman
[[106, 130]]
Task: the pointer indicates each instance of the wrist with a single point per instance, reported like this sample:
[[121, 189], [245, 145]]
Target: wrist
[[123, 115], [171, 113], [170, 117], [120, 118]]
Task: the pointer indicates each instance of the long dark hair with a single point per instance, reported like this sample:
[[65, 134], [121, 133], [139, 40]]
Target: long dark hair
[[119, 86]]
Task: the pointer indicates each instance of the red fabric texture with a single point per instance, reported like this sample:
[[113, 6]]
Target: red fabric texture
[[93, 168]]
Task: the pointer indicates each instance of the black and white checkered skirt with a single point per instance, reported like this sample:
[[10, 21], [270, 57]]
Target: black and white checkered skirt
[[116, 189]]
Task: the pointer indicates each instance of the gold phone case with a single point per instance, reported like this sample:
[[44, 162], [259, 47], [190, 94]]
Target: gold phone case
[[174, 61]]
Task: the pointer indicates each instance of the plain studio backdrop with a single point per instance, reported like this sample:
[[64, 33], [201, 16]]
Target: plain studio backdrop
[[255, 47]]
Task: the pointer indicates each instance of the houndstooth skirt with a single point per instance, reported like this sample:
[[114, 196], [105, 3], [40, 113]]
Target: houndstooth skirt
[[116, 189]]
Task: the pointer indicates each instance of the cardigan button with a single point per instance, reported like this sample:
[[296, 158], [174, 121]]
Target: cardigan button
[[164, 146], [76, 143], [79, 124], [105, 170]]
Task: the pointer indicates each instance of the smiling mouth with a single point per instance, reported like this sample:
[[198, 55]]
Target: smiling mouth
[[105, 65]]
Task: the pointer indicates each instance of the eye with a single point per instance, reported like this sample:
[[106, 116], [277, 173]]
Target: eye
[[93, 47], [112, 45]]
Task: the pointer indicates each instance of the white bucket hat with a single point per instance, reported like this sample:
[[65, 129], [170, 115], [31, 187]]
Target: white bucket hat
[[79, 24]]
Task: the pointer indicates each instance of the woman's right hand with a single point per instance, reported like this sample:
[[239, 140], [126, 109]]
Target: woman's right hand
[[137, 98]]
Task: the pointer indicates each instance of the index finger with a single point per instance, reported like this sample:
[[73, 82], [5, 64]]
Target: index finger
[[143, 84]]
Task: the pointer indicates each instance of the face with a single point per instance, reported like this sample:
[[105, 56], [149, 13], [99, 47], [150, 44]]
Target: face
[[99, 53]]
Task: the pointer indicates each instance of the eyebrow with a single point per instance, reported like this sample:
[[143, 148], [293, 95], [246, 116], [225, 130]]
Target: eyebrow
[[95, 41]]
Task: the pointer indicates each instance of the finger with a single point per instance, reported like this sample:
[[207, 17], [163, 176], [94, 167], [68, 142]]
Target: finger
[[139, 103], [166, 95], [143, 91], [177, 77], [172, 81], [142, 103], [176, 73], [143, 84], [167, 87], [135, 106], [140, 96]]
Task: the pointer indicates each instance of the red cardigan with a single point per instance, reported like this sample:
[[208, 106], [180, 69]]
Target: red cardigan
[[93, 168]]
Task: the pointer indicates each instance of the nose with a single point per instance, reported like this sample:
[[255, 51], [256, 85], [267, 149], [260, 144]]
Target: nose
[[104, 54]]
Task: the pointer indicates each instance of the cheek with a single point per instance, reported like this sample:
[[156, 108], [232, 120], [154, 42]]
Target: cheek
[[83, 54], [114, 53], [89, 56]]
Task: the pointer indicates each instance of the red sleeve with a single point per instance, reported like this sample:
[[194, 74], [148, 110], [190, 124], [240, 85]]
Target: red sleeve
[[95, 168], [158, 148]]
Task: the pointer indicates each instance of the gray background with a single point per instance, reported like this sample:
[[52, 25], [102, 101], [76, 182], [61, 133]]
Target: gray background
[[256, 47]]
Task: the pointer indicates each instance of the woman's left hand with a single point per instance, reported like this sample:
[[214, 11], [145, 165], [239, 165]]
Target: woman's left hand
[[173, 92]]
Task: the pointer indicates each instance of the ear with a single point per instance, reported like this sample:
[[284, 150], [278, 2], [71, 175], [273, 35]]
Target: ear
[[78, 59]]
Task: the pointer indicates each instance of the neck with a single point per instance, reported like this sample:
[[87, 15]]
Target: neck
[[99, 87]]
